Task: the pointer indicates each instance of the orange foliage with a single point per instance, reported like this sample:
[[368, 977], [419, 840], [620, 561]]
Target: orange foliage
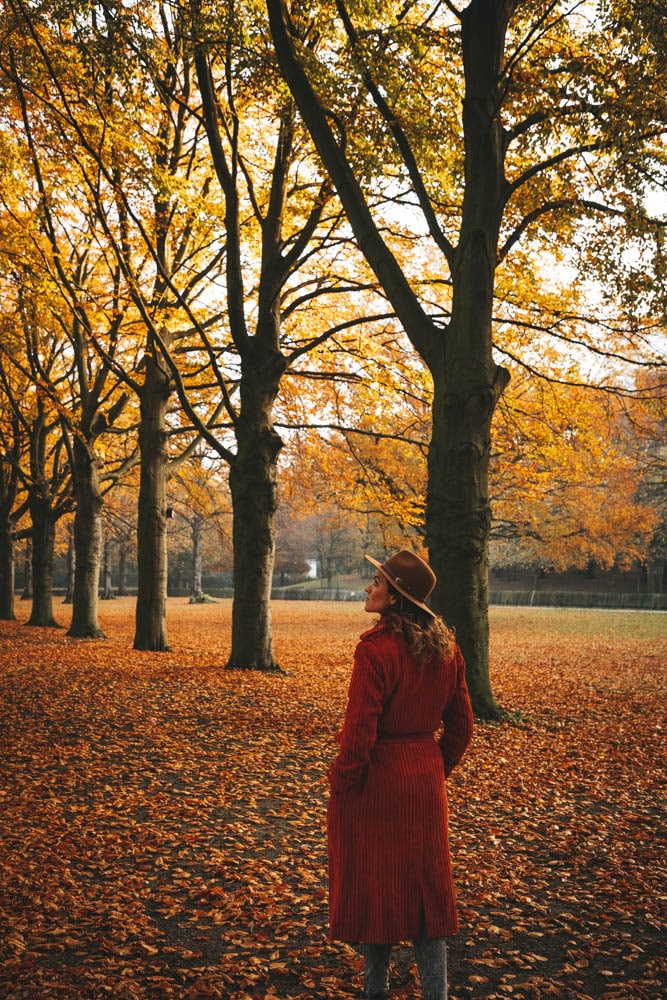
[[163, 820], [566, 475]]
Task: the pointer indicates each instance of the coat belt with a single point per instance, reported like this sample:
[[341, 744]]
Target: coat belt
[[405, 737]]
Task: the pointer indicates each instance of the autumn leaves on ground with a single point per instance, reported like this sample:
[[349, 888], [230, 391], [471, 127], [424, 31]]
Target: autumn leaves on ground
[[162, 821]]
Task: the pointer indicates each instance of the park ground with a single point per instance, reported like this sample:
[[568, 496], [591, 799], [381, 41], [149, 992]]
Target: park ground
[[162, 820]]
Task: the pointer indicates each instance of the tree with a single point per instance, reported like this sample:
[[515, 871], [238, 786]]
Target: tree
[[70, 561], [60, 241], [142, 159], [31, 362], [576, 472], [648, 422], [10, 513], [284, 253], [201, 500], [138, 174], [568, 471], [517, 164]]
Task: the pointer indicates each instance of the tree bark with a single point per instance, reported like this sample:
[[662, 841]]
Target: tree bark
[[252, 481], [107, 584], [7, 568], [122, 569], [26, 593], [151, 609], [254, 552], [458, 521], [196, 592], [43, 543], [87, 543], [8, 518], [71, 563]]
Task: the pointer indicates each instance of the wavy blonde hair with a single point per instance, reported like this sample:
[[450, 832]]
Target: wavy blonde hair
[[427, 637]]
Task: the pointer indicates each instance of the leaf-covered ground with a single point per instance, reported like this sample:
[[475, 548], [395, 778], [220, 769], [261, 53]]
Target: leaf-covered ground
[[162, 820]]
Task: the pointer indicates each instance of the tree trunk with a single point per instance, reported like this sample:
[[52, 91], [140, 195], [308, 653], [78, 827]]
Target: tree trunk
[[7, 613], [26, 593], [87, 544], [8, 480], [151, 610], [122, 569], [467, 382], [107, 585], [458, 521], [8, 490], [252, 481], [196, 592], [43, 542], [71, 563], [253, 501]]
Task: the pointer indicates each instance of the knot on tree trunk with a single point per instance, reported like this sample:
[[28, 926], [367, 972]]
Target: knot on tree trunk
[[474, 408]]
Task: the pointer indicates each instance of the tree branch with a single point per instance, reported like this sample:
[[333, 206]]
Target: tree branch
[[400, 139], [546, 208], [235, 293], [423, 331]]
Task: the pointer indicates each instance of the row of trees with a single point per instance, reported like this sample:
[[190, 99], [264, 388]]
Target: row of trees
[[218, 222], [366, 493]]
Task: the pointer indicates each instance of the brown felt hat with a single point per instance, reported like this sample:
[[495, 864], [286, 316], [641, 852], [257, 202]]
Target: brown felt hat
[[410, 575]]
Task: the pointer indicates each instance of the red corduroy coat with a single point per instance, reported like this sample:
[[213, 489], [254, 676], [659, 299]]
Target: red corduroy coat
[[390, 876]]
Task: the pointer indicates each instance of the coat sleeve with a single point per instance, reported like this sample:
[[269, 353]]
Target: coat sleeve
[[358, 735], [457, 718]]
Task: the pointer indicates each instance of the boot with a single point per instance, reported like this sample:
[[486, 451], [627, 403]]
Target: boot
[[376, 971]]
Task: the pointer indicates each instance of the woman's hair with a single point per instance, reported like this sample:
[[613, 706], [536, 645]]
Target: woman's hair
[[426, 636]]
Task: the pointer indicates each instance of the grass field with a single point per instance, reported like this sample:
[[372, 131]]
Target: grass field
[[162, 830]]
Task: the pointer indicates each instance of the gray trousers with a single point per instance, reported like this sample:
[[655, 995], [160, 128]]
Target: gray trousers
[[431, 955]]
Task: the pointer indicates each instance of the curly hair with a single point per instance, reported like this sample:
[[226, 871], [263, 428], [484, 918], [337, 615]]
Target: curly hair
[[426, 636]]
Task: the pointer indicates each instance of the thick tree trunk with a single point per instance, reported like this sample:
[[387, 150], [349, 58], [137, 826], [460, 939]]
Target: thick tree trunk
[[7, 564], [254, 551], [8, 480], [458, 519], [26, 593], [43, 543], [252, 472], [87, 544], [71, 564], [467, 382], [252, 481], [151, 610]]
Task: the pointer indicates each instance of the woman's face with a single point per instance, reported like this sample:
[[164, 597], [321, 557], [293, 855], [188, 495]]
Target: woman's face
[[378, 598]]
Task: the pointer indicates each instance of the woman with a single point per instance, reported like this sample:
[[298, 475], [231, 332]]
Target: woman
[[389, 867]]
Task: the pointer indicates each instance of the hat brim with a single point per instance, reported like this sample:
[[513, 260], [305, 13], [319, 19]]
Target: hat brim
[[396, 586]]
